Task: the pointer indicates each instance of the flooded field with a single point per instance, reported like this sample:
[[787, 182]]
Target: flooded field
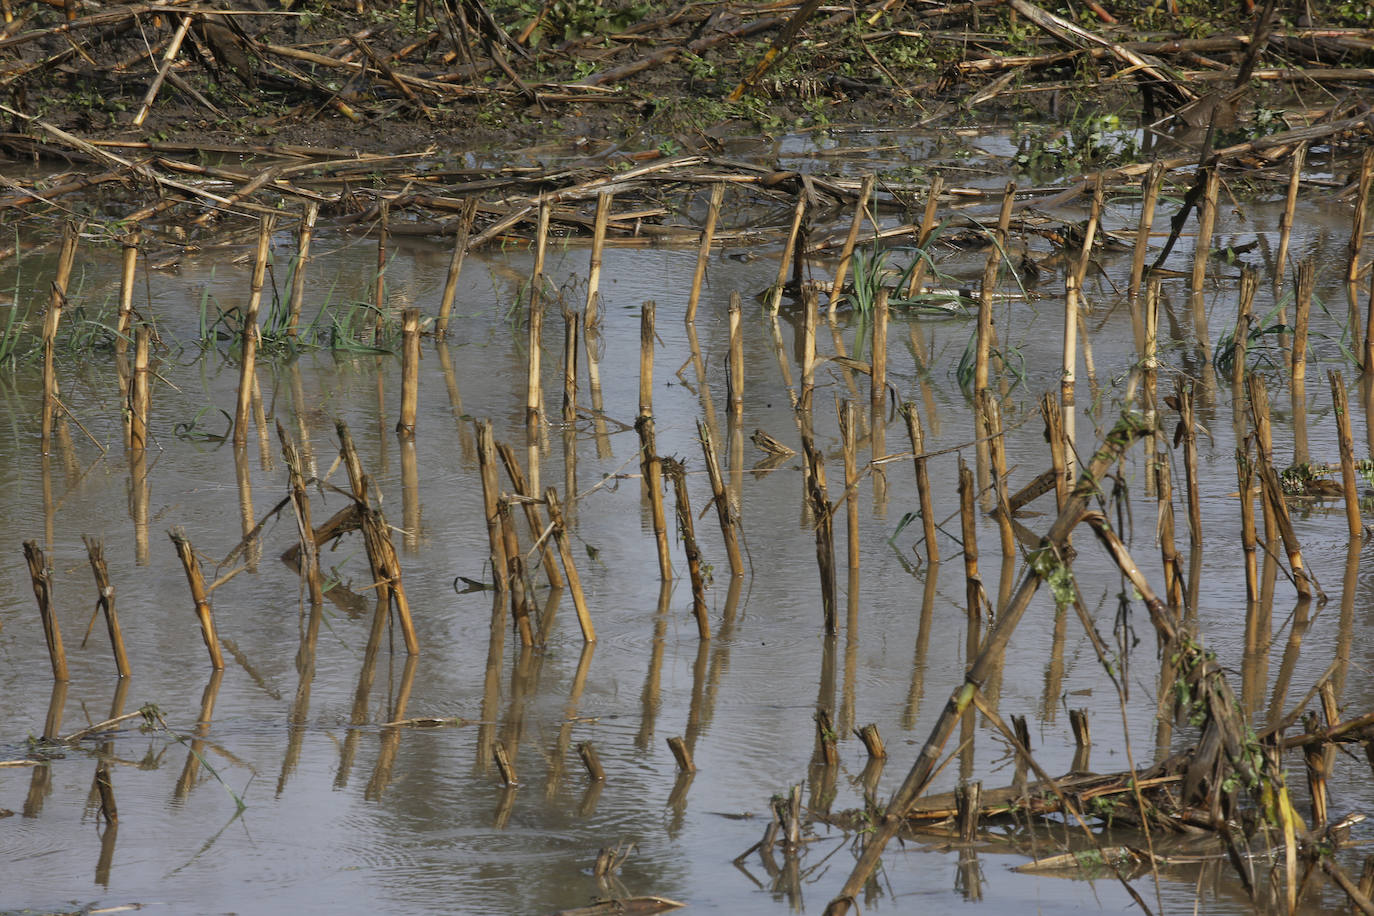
[[284, 783]]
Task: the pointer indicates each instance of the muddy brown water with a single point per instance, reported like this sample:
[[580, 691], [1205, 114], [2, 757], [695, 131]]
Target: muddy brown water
[[345, 815]]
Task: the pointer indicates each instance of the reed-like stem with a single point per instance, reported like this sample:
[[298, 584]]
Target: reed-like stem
[[734, 377], [40, 574], [591, 312], [789, 250], [491, 495], [248, 363], [56, 301], [878, 367], [646, 358], [849, 446], [124, 320], [455, 266], [819, 502], [572, 333], [725, 510], [565, 551], [992, 422], [847, 252], [678, 475], [533, 517], [708, 233], [1302, 312], [916, 433], [1349, 484], [515, 573], [1290, 205], [651, 465], [303, 238], [410, 373], [379, 285], [927, 232], [105, 602], [196, 580]]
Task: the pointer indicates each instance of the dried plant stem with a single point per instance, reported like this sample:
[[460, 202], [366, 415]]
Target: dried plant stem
[[504, 764], [560, 536], [973, 581], [708, 233], [652, 467], [819, 501], [379, 284], [1245, 476], [56, 302], [1290, 205], [791, 249], [682, 754], [1188, 420], [734, 376], [410, 373], [139, 396], [1073, 292], [849, 445], [591, 761], [491, 494], [729, 519], [918, 272], [918, 449], [592, 310], [303, 240], [1357, 225], [1207, 218], [646, 358], [678, 475], [124, 322], [300, 503], [992, 422], [455, 266], [828, 752], [572, 333], [1240, 337], [533, 517], [810, 308], [1347, 448], [248, 363], [1273, 496], [515, 574], [996, 252], [168, 57], [1054, 432], [878, 393], [872, 741], [1149, 191], [847, 252], [1302, 311], [41, 576], [105, 602], [196, 580], [534, 391], [1164, 532]]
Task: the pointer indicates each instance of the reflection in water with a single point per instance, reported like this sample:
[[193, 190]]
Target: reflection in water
[[299, 715], [196, 750], [391, 735], [649, 699], [912, 711]]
